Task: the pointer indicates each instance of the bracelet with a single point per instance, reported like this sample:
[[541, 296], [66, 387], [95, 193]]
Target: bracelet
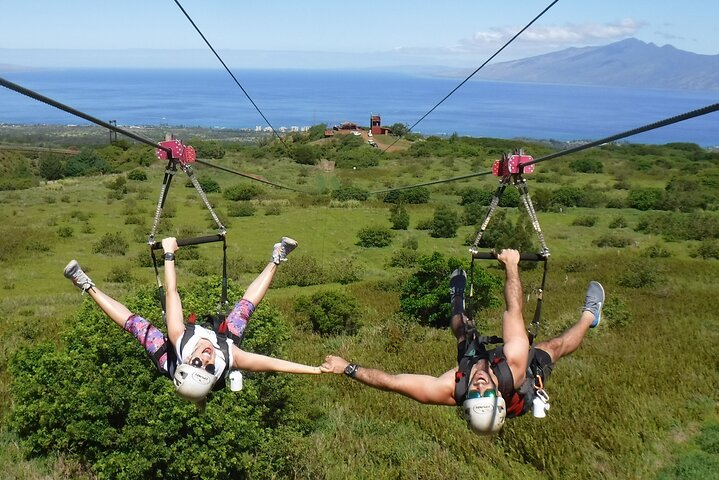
[[169, 257]]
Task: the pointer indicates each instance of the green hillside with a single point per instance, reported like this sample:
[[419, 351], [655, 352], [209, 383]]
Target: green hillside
[[638, 400]]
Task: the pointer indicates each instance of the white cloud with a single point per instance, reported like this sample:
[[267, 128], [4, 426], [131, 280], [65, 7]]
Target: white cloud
[[551, 36]]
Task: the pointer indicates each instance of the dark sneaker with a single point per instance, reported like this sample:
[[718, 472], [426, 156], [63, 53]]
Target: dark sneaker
[[79, 278], [282, 249], [594, 301], [457, 284]]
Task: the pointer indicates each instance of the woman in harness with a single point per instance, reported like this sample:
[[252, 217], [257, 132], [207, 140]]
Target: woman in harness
[[488, 384], [195, 357]]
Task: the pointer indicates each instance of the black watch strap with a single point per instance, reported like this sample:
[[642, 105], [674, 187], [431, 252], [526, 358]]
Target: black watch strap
[[169, 257], [351, 370]]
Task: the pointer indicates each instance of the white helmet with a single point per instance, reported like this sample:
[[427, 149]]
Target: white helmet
[[484, 415], [192, 383]]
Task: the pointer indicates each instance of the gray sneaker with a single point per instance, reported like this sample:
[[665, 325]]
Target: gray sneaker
[[74, 272], [282, 249], [594, 301]]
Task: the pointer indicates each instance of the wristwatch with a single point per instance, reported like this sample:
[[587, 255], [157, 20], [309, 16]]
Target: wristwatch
[[351, 370], [169, 257]]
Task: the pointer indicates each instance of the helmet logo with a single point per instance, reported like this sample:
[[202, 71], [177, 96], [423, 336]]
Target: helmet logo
[[200, 378]]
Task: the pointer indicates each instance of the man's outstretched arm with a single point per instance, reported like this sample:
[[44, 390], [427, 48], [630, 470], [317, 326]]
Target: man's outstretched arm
[[422, 388]]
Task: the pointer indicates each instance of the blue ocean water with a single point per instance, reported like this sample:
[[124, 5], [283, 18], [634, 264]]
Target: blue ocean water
[[288, 98]]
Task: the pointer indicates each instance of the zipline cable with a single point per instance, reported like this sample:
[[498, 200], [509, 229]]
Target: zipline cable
[[661, 123], [476, 70], [232, 75], [246, 175], [49, 101]]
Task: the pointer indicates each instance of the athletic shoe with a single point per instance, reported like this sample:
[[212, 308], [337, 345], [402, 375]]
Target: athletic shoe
[[594, 301], [457, 284], [79, 278], [282, 249]]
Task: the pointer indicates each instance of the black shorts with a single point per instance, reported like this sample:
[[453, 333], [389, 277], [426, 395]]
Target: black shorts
[[542, 363]]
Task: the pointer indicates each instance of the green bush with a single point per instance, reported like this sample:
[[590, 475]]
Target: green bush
[[273, 209], [302, 270], [444, 223], [618, 222], [330, 312], [587, 165], [99, 399], [119, 274], [404, 258], [472, 195], [639, 275], [65, 231], [708, 249], [137, 175], [615, 312], [585, 221], [350, 192], [425, 294], [412, 196], [376, 236], [208, 184], [656, 250], [399, 217], [644, 198], [241, 209], [111, 244], [241, 192], [614, 241]]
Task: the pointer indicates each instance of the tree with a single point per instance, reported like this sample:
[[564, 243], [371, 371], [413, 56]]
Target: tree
[[374, 237], [399, 129], [50, 167], [399, 217], [445, 223]]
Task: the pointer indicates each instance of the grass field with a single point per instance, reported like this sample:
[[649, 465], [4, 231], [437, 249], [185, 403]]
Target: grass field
[[638, 400]]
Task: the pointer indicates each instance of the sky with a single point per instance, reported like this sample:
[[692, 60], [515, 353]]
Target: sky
[[314, 34]]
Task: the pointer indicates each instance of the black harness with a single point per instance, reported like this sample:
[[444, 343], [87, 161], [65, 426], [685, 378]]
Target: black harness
[[475, 351], [215, 323]]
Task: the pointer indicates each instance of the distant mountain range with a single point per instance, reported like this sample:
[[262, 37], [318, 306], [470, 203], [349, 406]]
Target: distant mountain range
[[627, 63]]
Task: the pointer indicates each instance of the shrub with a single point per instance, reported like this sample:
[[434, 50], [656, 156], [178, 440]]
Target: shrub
[[587, 165], [65, 231], [639, 275], [50, 167], [425, 296], [208, 184], [708, 249], [618, 222], [399, 217], [616, 241], [103, 402], [241, 209], [350, 192], [343, 270], [475, 195], [656, 251], [119, 274], [585, 221], [616, 313], [445, 223], [377, 236], [111, 244], [330, 312], [404, 258], [273, 209], [644, 198], [411, 243], [305, 154], [241, 192], [137, 175], [425, 224], [302, 271]]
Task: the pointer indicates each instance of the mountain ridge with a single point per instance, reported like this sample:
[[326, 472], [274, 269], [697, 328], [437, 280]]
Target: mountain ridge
[[626, 63]]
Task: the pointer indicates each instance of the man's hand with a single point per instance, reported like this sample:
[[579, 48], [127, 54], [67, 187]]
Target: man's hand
[[334, 364], [508, 257], [169, 245]]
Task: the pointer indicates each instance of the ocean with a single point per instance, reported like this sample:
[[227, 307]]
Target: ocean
[[301, 98]]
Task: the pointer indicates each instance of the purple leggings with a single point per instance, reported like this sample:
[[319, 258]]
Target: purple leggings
[[152, 339]]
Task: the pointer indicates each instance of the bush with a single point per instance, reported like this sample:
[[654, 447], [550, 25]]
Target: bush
[[111, 244], [241, 209], [305, 154], [349, 192], [473, 195], [302, 271], [330, 312], [639, 275], [273, 209], [708, 249], [65, 231], [241, 192], [585, 221], [616, 313], [404, 258], [374, 237], [399, 217], [425, 295], [656, 251], [445, 223], [618, 222], [644, 198], [119, 274], [137, 175], [587, 165], [208, 184], [99, 399], [616, 241]]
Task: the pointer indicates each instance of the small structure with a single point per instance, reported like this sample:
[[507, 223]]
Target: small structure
[[375, 126]]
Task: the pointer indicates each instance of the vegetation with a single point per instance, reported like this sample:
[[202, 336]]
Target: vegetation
[[81, 400]]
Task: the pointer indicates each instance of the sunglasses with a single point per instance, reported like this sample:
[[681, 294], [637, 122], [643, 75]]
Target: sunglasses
[[197, 363], [488, 393]]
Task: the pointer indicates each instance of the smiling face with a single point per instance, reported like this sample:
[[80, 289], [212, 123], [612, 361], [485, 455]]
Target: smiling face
[[482, 378], [203, 356]]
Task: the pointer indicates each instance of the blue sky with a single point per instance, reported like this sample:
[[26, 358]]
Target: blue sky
[[316, 34]]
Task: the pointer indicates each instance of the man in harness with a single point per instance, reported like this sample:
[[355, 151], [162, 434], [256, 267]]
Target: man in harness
[[489, 384], [196, 358]]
